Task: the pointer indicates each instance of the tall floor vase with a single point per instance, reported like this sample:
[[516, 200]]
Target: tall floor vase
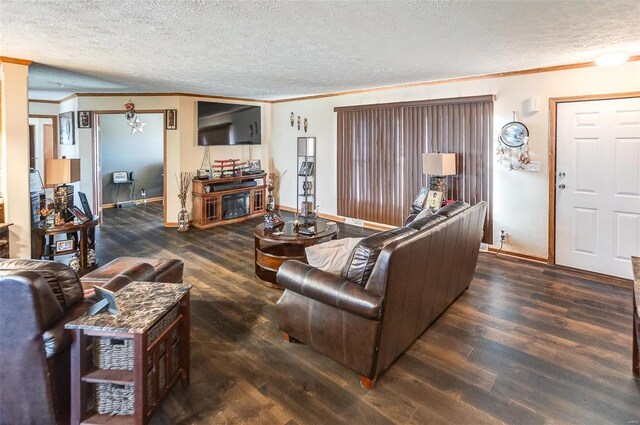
[[183, 220]]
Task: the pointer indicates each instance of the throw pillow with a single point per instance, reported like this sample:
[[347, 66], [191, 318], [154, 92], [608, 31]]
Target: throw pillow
[[364, 256], [424, 213], [331, 256]]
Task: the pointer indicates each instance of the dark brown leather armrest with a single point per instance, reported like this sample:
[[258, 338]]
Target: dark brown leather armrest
[[410, 218], [329, 289]]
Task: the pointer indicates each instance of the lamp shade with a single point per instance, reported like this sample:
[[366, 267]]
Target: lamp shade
[[61, 171], [439, 164]]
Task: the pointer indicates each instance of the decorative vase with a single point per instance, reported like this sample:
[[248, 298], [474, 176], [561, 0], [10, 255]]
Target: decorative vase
[[75, 263], [91, 257], [183, 220]]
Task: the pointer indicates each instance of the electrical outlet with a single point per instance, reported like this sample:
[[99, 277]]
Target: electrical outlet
[[503, 236], [354, 222]]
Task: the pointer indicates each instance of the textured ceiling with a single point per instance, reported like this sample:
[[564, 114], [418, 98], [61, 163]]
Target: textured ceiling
[[270, 49]]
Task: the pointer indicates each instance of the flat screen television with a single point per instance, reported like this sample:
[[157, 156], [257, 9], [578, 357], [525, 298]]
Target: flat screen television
[[228, 124]]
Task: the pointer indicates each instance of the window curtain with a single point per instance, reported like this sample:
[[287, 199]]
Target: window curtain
[[380, 155]]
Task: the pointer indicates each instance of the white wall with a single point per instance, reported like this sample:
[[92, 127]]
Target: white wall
[[38, 124], [15, 157], [520, 198], [39, 108], [140, 153]]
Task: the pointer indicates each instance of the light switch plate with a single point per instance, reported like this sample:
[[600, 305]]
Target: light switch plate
[[534, 166]]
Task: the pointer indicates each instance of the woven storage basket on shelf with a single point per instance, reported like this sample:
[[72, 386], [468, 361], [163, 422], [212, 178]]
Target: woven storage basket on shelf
[[163, 324], [118, 354], [113, 353], [114, 399]]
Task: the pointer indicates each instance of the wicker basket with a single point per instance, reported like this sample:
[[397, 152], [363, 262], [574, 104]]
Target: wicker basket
[[163, 324], [118, 354], [113, 353], [114, 399]]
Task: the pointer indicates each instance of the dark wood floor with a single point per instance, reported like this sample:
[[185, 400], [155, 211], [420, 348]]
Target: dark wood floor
[[526, 344]]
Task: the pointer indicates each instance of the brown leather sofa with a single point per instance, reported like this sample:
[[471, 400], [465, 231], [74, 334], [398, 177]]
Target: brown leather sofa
[[394, 285], [37, 298]]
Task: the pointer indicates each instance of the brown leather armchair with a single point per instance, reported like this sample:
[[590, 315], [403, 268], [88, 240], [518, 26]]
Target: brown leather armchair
[[395, 284], [37, 298]]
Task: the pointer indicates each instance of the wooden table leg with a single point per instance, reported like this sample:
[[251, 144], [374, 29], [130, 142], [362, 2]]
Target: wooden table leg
[[51, 240], [83, 249], [185, 341], [636, 349], [140, 406], [78, 369]]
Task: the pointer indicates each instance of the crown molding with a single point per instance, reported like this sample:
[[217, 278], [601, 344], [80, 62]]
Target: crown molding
[[44, 101], [15, 60]]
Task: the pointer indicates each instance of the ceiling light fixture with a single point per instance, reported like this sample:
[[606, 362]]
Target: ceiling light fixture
[[612, 59]]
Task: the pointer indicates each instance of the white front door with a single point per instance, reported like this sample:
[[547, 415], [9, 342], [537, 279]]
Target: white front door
[[598, 185]]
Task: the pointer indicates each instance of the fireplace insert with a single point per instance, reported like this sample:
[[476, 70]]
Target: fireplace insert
[[235, 205]]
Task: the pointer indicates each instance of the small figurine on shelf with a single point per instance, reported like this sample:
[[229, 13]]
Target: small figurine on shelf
[[307, 187], [58, 220], [296, 223]]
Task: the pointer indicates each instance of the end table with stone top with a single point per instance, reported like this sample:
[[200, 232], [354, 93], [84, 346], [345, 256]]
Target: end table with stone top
[[122, 366]]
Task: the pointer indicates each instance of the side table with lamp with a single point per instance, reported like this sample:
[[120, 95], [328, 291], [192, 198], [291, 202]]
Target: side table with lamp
[[58, 173], [439, 166], [45, 247], [78, 227]]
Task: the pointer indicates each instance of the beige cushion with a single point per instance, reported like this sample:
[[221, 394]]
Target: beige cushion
[[332, 256]]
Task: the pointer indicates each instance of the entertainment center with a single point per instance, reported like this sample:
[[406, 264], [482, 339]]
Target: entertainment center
[[224, 200]]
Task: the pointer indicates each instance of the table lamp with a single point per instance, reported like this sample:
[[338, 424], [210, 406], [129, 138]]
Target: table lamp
[[59, 172], [438, 166]]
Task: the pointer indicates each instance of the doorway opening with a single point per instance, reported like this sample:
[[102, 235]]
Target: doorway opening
[[594, 182], [43, 141], [129, 163]]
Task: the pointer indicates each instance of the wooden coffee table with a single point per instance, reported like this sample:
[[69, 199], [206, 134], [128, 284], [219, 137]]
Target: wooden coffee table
[[271, 250]]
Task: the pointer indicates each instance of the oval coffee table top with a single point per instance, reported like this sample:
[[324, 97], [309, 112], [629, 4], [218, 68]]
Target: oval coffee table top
[[323, 230]]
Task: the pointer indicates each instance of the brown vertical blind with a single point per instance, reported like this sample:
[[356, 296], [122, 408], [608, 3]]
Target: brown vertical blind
[[380, 161]]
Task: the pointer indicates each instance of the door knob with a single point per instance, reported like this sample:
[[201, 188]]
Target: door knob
[[561, 174], [561, 186]]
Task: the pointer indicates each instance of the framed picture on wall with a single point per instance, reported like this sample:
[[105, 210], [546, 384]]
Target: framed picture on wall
[[172, 119], [67, 128], [84, 119]]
